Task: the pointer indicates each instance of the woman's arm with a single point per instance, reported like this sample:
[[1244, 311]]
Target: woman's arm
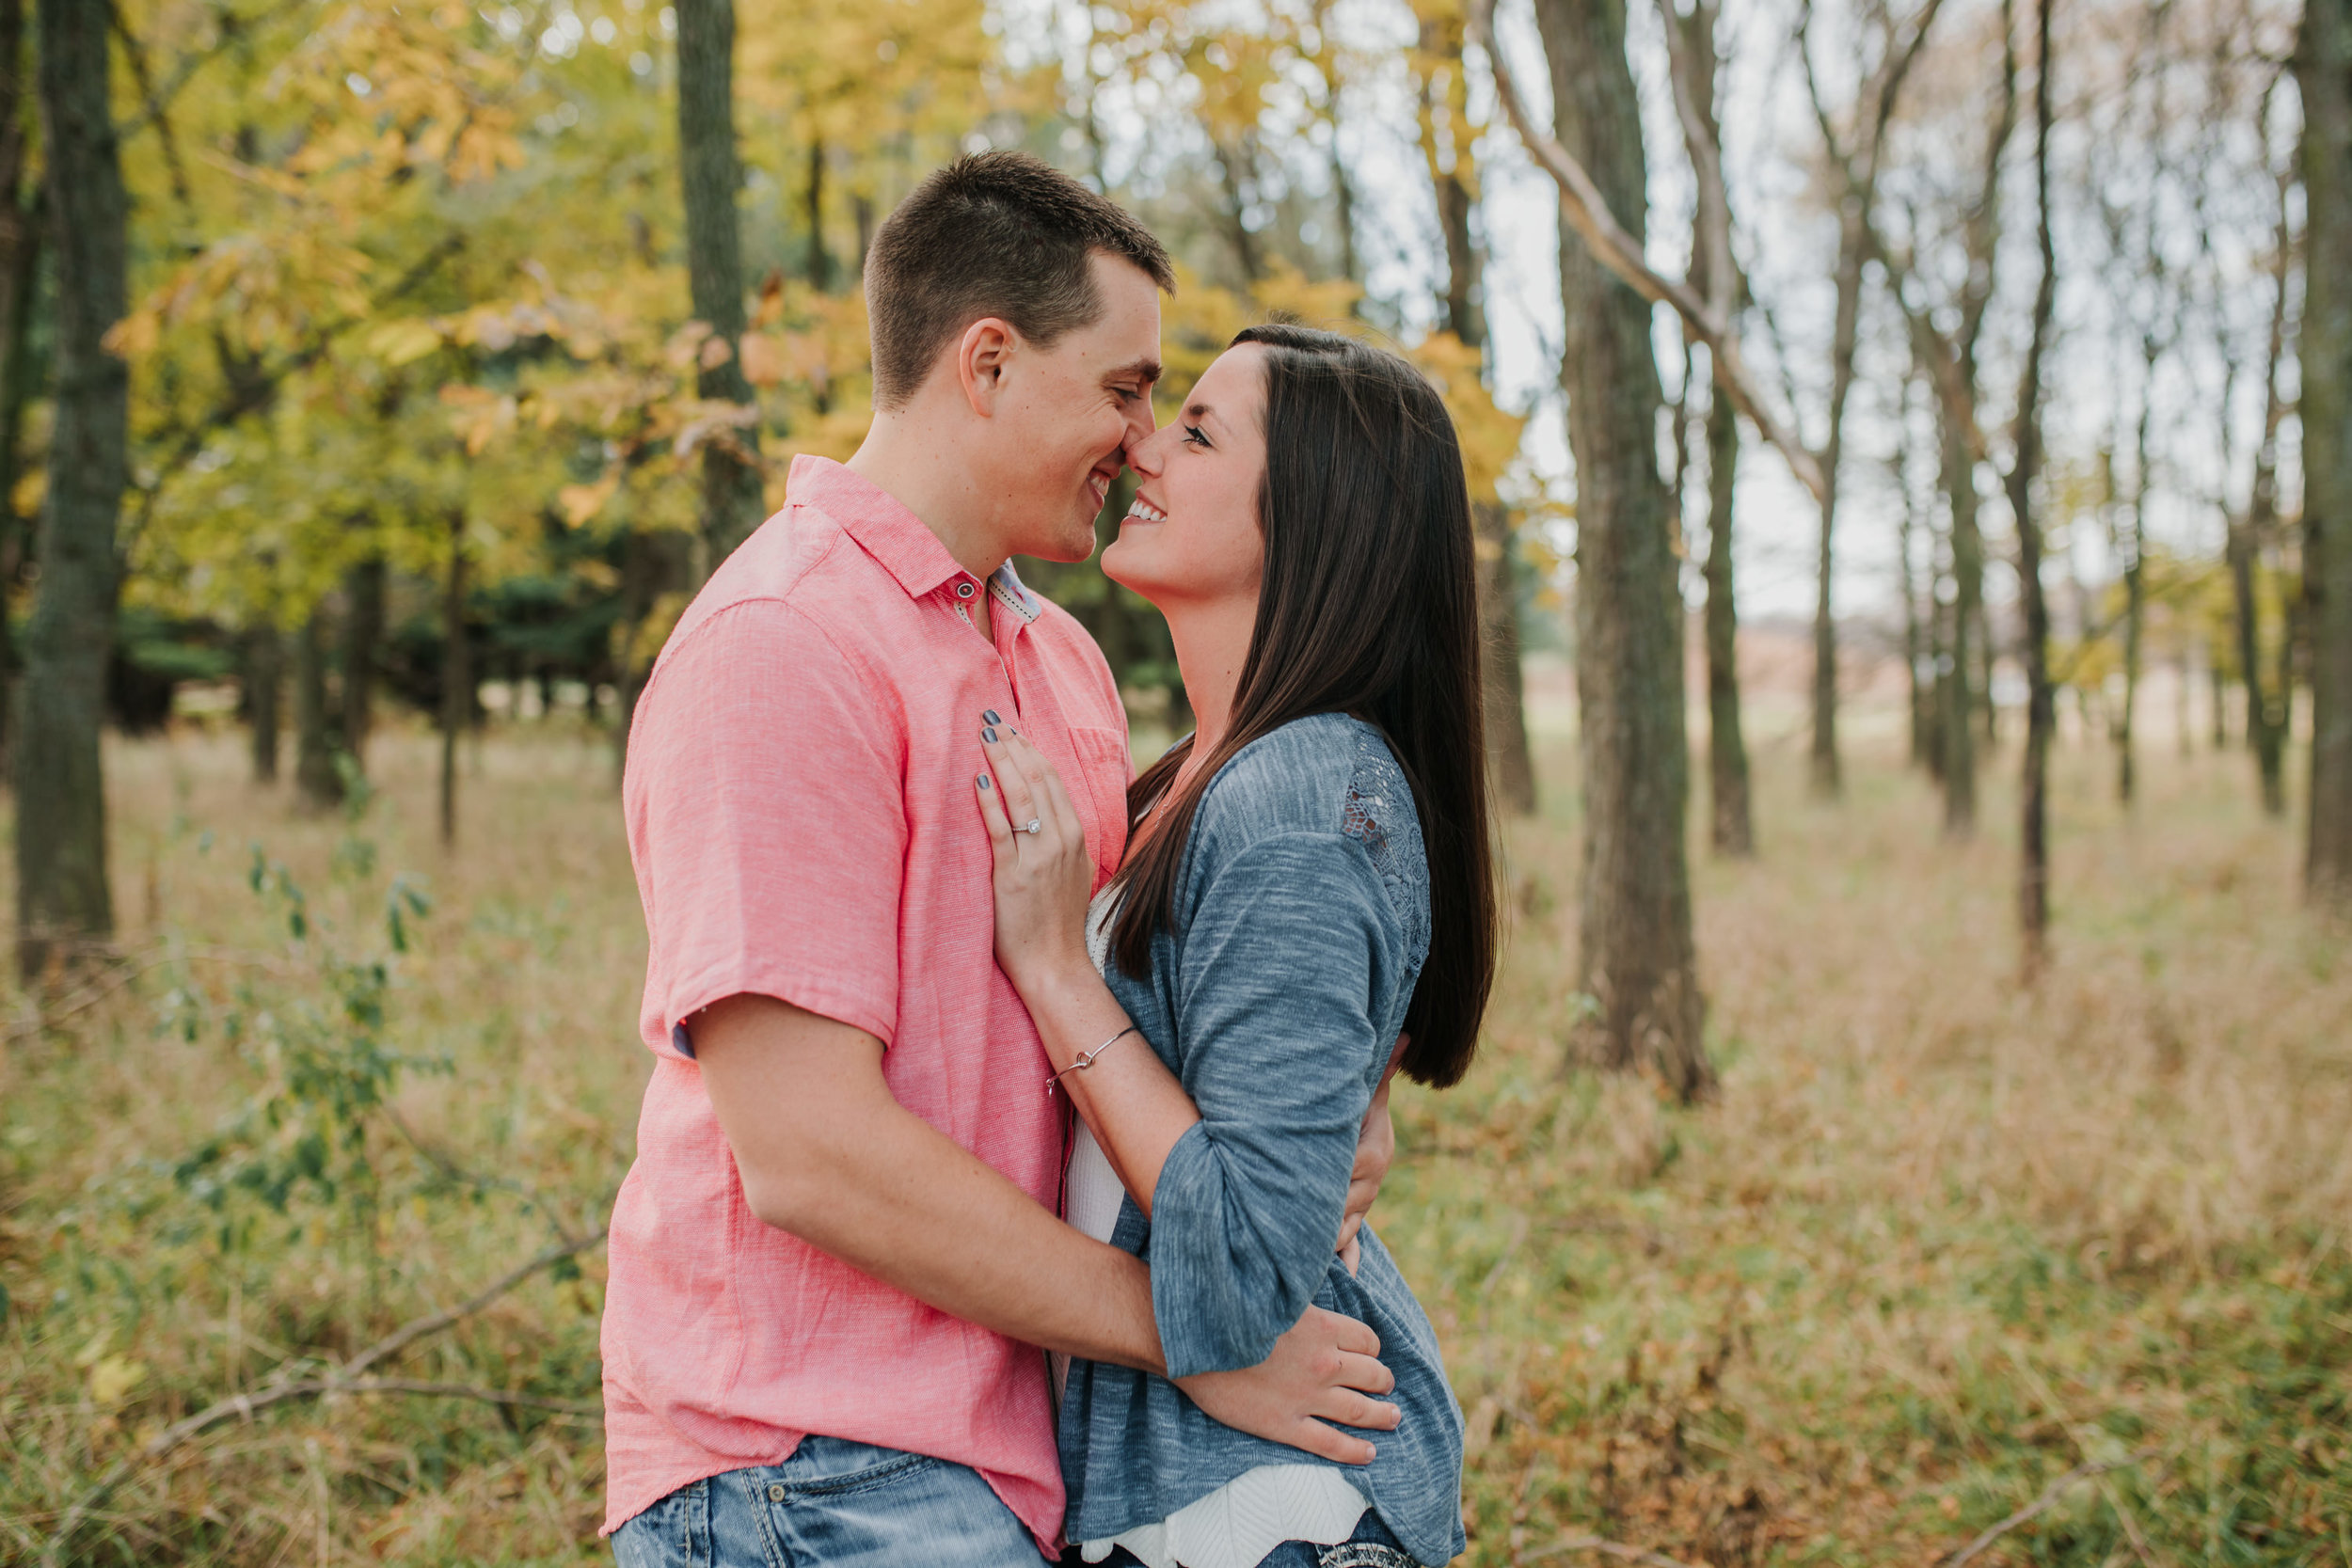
[[1134, 1104], [1280, 962]]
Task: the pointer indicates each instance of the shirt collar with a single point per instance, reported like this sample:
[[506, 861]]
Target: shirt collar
[[885, 530], [1010, 591], [877, 520]]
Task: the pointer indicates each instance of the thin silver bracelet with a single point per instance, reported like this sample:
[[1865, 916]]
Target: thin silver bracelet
[[1086, 1058]]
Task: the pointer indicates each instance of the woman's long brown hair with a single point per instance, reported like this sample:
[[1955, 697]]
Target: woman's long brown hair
[[1368, 606]]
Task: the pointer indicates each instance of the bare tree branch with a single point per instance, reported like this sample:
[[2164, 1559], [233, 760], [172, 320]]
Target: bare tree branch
[[2050, 1494], [1587, 212], [341, 1380], [1690, 55], [229, 27]]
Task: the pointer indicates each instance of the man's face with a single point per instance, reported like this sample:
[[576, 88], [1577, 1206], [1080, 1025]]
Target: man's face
[[1074, 412]]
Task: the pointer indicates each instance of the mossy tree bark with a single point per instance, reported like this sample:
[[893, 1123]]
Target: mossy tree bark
[[1637, 959], [20, 252], [711, 174], [2324, 68], [62, 896], [2033, 890]]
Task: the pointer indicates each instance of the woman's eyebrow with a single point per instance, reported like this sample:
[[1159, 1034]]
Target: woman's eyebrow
[[1201, 411]]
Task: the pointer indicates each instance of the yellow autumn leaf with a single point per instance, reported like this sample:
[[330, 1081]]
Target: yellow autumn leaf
[[582, 501], [134, 336], [763, 361], [112, 1378]]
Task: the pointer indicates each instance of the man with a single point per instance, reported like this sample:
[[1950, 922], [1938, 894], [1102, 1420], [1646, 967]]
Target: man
[[836, 1257]]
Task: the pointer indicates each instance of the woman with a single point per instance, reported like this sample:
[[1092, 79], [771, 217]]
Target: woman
[[1307, 881]]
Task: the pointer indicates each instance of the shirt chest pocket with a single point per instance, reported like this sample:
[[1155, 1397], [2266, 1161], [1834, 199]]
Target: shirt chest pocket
[[1100, 794]]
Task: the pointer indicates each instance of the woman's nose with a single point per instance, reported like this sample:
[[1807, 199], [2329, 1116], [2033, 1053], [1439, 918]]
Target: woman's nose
[[1143, 455]]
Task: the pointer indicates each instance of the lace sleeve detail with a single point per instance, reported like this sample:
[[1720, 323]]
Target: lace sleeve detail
[[1381, 816]]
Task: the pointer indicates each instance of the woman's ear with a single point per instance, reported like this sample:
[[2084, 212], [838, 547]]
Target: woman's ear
[[982, 357]]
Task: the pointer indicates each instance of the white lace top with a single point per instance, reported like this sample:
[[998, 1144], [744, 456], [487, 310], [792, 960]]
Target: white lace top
[[1240, 1523]]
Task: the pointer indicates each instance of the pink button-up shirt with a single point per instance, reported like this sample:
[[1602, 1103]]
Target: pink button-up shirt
[[800, 817]]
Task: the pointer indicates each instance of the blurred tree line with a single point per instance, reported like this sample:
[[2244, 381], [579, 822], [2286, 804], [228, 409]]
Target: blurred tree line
[[357, 354]]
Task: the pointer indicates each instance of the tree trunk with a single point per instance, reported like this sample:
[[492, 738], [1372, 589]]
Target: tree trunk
[[2033, 889], [1235, 214], [20, 250], [2323, 70], [2266, 711], [320, 781], [1939, 659], [653, 564], [457, 675], [363, 633], [264, 674], [1825, 771], [2219, 692], [2185, 734], [731, 491], [1343, 216], [1504, 691], [62, 897], [819, 263], [2134, 595], [1637, 962], [1734, 826], [1916, 636], [1511, 766], [2263, 730], [1957, 743]]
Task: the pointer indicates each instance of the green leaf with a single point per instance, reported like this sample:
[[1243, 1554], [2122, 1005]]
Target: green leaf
[[403, 342]]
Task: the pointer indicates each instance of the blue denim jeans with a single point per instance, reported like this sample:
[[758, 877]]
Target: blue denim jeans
[[833, 1503]]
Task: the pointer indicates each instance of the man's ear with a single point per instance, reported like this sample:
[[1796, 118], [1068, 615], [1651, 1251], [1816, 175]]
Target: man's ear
[[982, 357]]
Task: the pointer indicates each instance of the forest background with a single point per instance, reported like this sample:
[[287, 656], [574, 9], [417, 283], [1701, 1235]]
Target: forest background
[[1929, 1149]]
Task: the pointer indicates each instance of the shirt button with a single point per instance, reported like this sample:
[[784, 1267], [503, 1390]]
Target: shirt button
[[963, 590], [775, 1490]]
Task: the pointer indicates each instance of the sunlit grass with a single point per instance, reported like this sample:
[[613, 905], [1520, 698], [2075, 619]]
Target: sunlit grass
[[1939, 1241]]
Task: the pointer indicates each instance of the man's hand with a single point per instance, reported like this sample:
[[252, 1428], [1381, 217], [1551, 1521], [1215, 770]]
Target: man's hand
[[1376, 1151], [1324, 1368]]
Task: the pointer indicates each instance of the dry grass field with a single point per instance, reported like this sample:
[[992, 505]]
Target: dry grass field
[[1940, 1243]]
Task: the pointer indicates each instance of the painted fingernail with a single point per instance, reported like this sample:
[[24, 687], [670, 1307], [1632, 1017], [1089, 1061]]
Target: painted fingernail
[[983, 781], [990, 716], [987, 734]]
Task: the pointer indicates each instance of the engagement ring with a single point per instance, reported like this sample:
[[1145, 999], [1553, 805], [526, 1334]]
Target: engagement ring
[[1035, 824]]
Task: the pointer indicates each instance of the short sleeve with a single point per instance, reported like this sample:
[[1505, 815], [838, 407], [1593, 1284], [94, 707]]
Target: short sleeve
[[767, 819]]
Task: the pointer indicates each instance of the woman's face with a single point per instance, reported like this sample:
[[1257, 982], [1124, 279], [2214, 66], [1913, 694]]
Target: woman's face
[[1192, 534]]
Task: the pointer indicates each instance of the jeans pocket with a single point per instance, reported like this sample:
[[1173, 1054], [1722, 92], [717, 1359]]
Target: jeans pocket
[[883, 1472], [673, 1532]]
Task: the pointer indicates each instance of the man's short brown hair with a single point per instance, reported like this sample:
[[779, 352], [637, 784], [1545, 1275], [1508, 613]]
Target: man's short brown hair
[[997, 234]]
